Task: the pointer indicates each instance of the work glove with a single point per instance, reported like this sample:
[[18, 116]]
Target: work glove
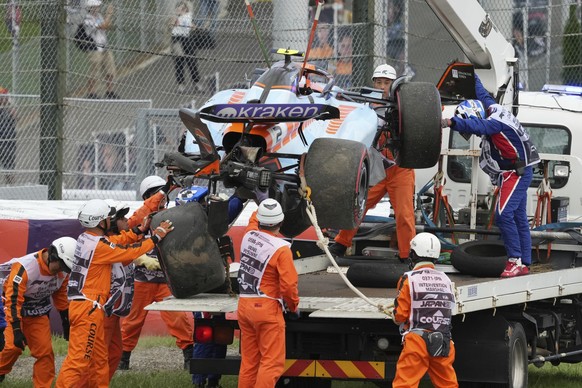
[[2, 342], [293, 315], [162, 230], [145, 224], [65, 322], [19, 338], [260, 195], [149, 262]]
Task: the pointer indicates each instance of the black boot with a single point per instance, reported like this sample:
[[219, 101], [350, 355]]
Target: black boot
[[187, 356], [336, 249], [124, 362]]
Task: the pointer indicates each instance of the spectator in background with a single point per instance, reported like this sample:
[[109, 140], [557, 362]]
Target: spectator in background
[[7, 135], [181, 26], [207, 16], [86, 173], [322, 50], [343, 70], [100, 60]]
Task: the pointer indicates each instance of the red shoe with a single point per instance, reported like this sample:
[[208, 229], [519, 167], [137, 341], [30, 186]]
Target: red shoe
[[512, 269]]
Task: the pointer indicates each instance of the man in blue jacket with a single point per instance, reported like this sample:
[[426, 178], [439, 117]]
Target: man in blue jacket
[[507, 156]]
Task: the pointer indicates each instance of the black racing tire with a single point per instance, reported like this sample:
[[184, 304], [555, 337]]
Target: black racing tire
[[518, 361], [189, 256], [419, 133], [336, 170], [481, 258], [376, 275]]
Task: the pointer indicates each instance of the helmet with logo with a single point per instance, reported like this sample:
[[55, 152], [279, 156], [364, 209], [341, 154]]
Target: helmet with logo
[[93, 212], [93, 3], [151, 185], [191, 194], [470, 109], [424, 247], [270, 213], [63, 249], [384, 71]]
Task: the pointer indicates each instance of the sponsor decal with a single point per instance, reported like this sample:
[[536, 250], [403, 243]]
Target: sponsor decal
[[17, 279], [267, 111]]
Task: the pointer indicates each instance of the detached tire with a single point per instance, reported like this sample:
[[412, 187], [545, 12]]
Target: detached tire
[[419, 107], [336, 170], [481, 258], [376, 275], [189, 256]]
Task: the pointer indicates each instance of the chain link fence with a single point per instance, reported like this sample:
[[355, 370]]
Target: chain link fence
[[79, 123]]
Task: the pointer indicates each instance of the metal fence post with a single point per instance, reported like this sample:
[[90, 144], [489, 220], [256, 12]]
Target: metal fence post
[[363, 62], [52, 88]]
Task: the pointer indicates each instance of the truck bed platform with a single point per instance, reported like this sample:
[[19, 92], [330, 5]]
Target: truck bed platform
[[325, 295]]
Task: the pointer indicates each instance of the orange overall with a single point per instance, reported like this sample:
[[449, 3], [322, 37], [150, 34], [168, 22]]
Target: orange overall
[[261, 320], [415, 360], [112, 323], [146, 293], [36, 329], [177, 322], [399, 184], [87, 350]]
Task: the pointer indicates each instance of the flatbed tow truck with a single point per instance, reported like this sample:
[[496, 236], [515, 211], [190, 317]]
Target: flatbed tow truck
[[500, 326]]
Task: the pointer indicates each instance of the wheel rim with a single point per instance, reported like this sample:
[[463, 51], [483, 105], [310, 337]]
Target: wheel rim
[[362, 194], [519, 363]]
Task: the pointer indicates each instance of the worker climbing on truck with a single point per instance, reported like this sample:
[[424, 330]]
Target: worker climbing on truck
[[398, 184], [423, 309], [507, 156]]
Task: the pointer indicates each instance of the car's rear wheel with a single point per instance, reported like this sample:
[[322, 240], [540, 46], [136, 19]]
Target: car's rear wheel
[[419, 132], [336, 170]]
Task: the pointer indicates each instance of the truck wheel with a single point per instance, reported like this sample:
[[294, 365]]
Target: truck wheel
[[189, 256], [376, 275], [517, 347], [336, 170], [482, 258], [419, 132]]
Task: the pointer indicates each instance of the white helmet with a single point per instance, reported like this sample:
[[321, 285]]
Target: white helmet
[[384, 71], [93, 212], [64, 248], [93, 3], [426, 246], [270, 212], [149, 183]]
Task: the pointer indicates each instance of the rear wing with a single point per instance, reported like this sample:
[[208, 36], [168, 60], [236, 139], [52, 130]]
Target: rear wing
[[268, 113]]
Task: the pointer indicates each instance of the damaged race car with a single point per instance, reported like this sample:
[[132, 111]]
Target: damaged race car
[[293, 136]]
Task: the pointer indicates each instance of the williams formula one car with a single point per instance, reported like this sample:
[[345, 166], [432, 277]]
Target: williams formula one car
[[293, 130]]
